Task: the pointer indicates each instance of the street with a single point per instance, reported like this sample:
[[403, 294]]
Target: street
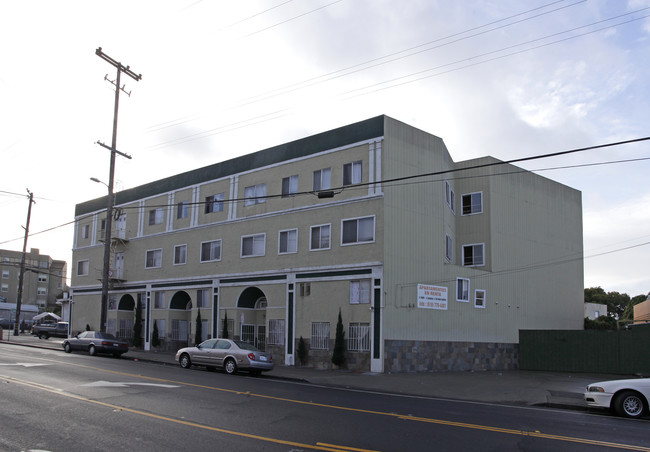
[[56, 402]]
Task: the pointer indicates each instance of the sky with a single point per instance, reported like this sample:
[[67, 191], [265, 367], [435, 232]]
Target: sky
[[220, 79]]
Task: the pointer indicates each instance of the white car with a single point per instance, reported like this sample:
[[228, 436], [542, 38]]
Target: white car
[[628, 398]]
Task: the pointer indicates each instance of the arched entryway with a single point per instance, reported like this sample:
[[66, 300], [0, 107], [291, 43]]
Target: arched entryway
[[180, 313], [252, 308], [125, 315]]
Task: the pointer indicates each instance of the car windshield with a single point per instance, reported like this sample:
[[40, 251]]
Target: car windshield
[[246, 346]]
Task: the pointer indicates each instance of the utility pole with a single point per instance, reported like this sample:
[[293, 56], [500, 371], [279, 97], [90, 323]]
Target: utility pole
[[109, 207], [21, 276]]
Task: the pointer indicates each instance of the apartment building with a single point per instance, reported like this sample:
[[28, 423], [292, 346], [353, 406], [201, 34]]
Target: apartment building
[[43, 281], [433, 264]]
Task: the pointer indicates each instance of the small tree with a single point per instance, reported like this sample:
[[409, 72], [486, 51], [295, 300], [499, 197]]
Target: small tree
[[224, 333], [338, 357], [155, 340], [137, 326], [87, 327], [302, 352], [199, 328]]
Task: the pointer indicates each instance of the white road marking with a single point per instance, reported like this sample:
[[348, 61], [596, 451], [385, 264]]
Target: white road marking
[[117, 384], [24, 364]]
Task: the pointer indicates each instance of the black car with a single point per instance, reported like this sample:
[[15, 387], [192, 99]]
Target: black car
[[96, 342]]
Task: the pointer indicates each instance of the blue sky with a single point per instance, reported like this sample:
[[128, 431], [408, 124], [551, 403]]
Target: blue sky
[[508, 79]]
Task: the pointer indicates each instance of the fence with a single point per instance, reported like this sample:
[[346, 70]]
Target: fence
[[596, 351]]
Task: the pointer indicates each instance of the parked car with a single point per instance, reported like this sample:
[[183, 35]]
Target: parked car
[[627, 398], [227, 354], [46, 330], [96, 342]]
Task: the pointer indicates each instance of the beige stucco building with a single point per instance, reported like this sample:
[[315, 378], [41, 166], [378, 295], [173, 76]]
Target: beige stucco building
[[433, 264]]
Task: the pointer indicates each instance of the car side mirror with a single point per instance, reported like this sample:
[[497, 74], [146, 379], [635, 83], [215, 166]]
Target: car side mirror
[[198, 346]]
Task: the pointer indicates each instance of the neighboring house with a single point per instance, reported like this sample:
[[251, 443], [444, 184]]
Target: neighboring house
[[642, 312], [438, 272], [595, 310], [43, 280]]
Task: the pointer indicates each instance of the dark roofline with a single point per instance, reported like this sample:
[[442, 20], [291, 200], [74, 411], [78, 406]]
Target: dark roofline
[[352, 133]]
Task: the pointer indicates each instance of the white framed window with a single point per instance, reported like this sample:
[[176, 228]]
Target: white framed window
[[182, 210], [179, 330], [474, 255], [304, 289], [214, 203], [462, 290], [320, 237], [449, 248], [320, 336], [42, 277], [358, 230], [276, 332], [253, 245], [289, 186], [450, 197], [352, 173], [323, 179], [5, 274], [255, 194], [156, 216], [85, 231], [472, 203], [211, 251], [288, 241], [180, 254], [162, 328], [41, 291], [360, 292], [359, 337], [83, 267], [479, 299], [159, 300], [203, 298], [153, 259], [4, 288]]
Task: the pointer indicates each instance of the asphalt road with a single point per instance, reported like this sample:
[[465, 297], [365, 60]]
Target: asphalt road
[[60, 402]]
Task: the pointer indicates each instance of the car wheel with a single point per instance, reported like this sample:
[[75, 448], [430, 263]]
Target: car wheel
[[67, 348], [42, 335], [185, 361], [91, 350], [229, 366], [629, 404]]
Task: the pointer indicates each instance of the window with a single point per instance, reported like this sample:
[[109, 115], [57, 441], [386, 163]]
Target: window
[[289, 186], [472, 203], [320, 336], [85, 231], [159, 300], [360, 292], [5, 274], [154, 259], [162, 328], [42, 277], [211, 251], [462, 289], [352, 173], [202, 298], [320, 237], [82, 268], [276, 332], [126, 329], [473, 255], [253, 245], [255, 194], [359, 337], [156, 216], [450, 197], [41, 290], [323, 179], [214, 203], [288, 242], [183, 209], [479, 299], [449, 248], [304, 289], [360, 230], [248, 333], [180, 254], [4, 288], [112, 303], [179, 330]]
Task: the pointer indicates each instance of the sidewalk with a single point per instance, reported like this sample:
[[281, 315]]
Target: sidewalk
[[526, 388]]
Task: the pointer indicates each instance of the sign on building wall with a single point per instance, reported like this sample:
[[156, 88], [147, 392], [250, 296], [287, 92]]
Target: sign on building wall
[[432, 297]]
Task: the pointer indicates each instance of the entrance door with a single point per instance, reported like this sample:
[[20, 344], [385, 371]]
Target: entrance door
[[120, 226], [119, 266], [261, 337]]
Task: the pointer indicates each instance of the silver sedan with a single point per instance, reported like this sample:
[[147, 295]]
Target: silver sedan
[[227, 354]]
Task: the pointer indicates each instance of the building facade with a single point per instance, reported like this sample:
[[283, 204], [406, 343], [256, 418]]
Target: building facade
[[433, 265], [44, 278]]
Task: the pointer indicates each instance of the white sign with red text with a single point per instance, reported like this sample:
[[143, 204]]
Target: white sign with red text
[[432, 297]]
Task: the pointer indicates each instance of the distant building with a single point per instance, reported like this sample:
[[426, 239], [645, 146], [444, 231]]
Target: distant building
[[595, 310], [43, 281], [438, 272], [642, 312]]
